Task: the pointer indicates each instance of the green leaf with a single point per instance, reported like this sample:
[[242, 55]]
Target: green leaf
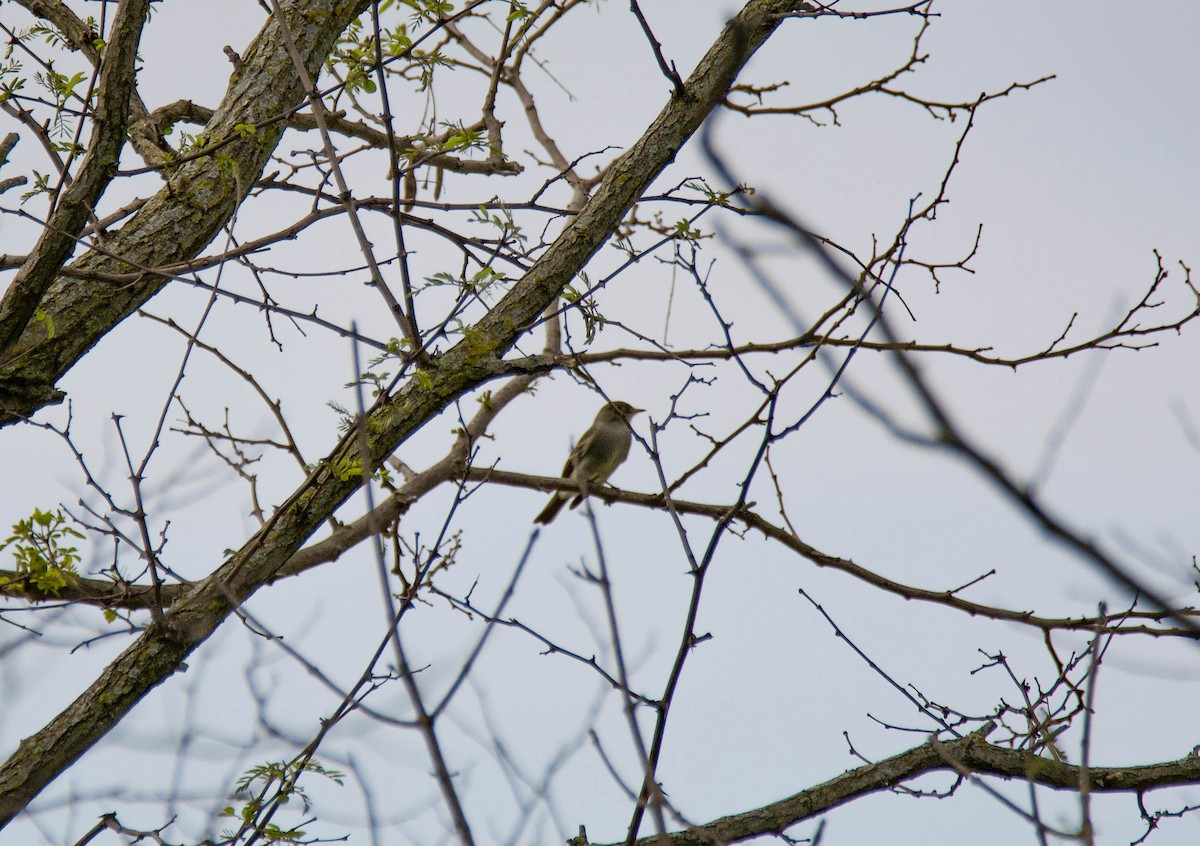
[[41, 557], [46, 320]]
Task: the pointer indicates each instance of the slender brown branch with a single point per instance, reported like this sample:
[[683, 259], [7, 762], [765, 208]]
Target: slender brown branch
[[969, 754]]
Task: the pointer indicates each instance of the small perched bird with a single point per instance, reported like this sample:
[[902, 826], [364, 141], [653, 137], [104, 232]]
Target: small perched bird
[[599, 452]]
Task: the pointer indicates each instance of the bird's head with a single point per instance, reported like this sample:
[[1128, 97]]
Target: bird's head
[[621, 411]]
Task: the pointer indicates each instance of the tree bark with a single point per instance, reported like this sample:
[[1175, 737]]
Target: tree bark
[[161, 649], [113, 93], [968, 754], [199, 198]]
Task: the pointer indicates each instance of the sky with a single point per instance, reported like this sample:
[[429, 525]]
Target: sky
[[1076, 183]]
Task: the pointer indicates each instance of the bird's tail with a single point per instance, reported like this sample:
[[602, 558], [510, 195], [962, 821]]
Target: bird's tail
[[551, 510]]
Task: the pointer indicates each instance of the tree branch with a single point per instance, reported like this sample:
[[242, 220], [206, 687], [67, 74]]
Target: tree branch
[[143, 133], [971, 754], [99, 165], [162, 648], [182, 218]]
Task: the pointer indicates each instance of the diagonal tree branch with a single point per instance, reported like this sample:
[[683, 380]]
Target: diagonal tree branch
[[160, 651], [968, 755], [144, 134], [97, 169], [179, 221]]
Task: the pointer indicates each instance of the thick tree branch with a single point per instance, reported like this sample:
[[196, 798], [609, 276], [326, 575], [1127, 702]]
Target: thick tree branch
[[143, 133], [182, 218], [969, 754], [162, 648], [97, 169]]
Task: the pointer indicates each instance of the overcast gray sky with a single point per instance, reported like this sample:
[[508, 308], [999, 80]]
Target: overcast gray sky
[[1076, 183]]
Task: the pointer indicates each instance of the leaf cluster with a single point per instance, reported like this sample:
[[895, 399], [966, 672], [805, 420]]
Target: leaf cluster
[[40, 550]]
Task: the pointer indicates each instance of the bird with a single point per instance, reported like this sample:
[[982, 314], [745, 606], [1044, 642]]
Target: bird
[[599, 452]]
